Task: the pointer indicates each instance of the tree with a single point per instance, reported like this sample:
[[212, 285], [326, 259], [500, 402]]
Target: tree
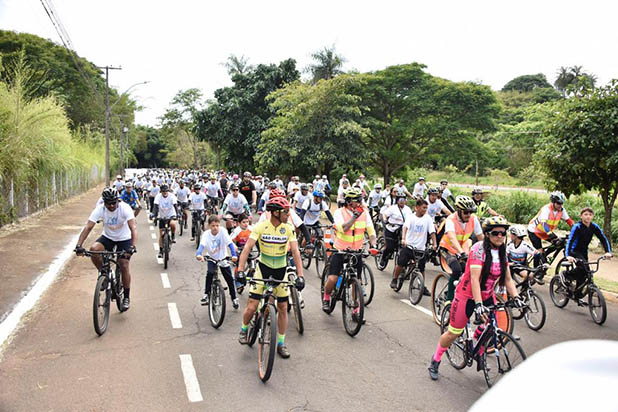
[[237, 65], [315, 128], [573, 80], [327, 64], [527, 83], [150, 148], [579, 148]]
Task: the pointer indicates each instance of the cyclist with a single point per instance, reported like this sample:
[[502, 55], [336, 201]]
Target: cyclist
[[241, 233], [266, 196], [215, 242], [279, 182], [345, 185], [119, 232], [196, 203], [577, 248], [293, 185], [454, 244], [374, 198], [247, 189], [312, 209], [165, 208], [518, 251], [351, 223], [545, 222], [486, 266], [420, 188], [118, 183], [235, 204], [364, 185], [299, 199], [435, 205], [130, 197], [153, 190], [213, 191], [482, 208], [223, 184], [274, 237], [182, 195], [414, 234], [394, 217], [294, 219], [446, 195], [402, 189]]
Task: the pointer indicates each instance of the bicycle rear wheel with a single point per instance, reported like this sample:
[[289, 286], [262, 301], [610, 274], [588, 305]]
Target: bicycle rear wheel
[[306, 258], [267, 343], [438, 296], [456, 353], [378, 258], [368, 283], [320, 256], [416, 287], [501, 357], [353, 307], [216, 305], [535, 313], [166, 249], [597, 305], [100, 307], [298, 314]]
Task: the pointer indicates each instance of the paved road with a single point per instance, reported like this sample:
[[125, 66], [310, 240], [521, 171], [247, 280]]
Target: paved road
[[57, 363]]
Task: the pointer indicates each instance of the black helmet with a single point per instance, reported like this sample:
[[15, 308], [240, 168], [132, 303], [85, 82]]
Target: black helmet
[[433, 191], [109, 195], [304, 187], [165, 188]]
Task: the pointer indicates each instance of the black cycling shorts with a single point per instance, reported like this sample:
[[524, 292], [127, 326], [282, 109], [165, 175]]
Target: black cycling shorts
[[336, 261], [109, 245], [162, 223]]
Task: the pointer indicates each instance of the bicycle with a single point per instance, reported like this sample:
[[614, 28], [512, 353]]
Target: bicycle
[[533, 312], [319, 249], [562, 289], [211, 205], [348, 290], [182, 219], [251, 266], [294, 303], [166, 240], [497, 350], [380, 259], [197, 222], [439, 288], [109, 282], [412, 272], [263, 327], [216, 303]]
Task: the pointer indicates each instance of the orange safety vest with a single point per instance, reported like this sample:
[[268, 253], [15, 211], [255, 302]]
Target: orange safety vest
[[462, 233], [543, 230], [355, 237]]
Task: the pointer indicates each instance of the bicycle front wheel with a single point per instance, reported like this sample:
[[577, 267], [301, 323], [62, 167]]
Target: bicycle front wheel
[[216, 305], [535, 313], [252, 331], [306, 258], [166, 250], [267, 343], [320, 257], [198, 233], [456, 353], [597, 305], [368, 283], [353, 307], [438, 296], [298, 314], [416, 287], [558, 292], [501, 357], [100, 307]]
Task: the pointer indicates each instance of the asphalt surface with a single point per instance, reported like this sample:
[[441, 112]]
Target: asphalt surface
[[56, 362]]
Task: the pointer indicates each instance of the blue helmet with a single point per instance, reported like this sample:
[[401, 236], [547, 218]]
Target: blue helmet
[[317, 193]]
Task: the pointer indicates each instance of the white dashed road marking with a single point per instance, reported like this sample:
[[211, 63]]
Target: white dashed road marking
[[165, 280], [417, 307], [159, 260], [193, 386], [155, 246], [153, 236], [174, 316]]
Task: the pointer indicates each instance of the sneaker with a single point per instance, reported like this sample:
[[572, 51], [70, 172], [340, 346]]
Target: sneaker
[[393, 283], [326, 305], [433, 369], [173, 240], [192, 239], [160, 255], [426, 291], [242, 337], [283, 351], [126, 304], [204, 301], [235, 303]]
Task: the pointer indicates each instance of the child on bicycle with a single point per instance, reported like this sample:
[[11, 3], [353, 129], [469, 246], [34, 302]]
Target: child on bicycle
[[241, 233], [215, 242], [577, 247], [518, 251]]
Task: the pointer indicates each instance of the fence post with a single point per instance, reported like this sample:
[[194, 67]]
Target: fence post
[[27, 208], [54, 188], [12, 195], [38, 196]]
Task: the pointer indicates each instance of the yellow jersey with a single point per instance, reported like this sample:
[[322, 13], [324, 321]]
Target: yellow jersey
[[273, 242]]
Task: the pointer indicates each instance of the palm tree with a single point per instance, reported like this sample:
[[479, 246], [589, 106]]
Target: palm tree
[[237, 65], [327, 64], [574, 77]]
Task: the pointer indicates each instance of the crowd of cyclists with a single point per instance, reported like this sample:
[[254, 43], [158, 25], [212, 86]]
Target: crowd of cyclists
[[240, 215]]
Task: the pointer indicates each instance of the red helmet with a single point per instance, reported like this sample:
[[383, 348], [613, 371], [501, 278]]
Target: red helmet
[[277, 203], [276, 193]]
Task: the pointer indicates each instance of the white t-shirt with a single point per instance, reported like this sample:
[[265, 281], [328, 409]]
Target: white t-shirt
[[182, 194], [292, 186], [341, 194], [434, 208], [374, 198], [196, 201], [449, 226], [446, 193], [418, 229], [115, 224], [216, 246], [313, 211], [235, 205], [166, 205], [155, 190], [520, 253], [212, 189], [300, 199], [419, 189], [402, 190], [118, 184], [395, 217]]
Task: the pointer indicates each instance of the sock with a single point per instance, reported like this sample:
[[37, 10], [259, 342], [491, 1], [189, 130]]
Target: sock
[[439, 352], [479, 330], [280, 339], [244, 327], [327, 297], [127, 292]]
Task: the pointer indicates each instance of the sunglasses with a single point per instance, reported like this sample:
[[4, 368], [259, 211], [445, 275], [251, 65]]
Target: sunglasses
[[466, 212], [497, 233], [111, 204], [234, 190]]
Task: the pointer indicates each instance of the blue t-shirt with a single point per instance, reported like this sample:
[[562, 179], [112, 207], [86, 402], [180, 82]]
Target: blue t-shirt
[[129, 198]]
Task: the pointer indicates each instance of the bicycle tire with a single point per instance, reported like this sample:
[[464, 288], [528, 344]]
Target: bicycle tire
[[119, 291], [101, 320], [353, 322], [333, 299], [599, 316], [378, 258], [416, 287], [401, 280], [456, 354], [181, 222], [438, 286], [557, 292], [503, 360], [368, 282], [216, 305], [306, 258], [198, 233], [166, 250], [535, 305], [252, 330], [320, 255], [298, 314], [267, 344]]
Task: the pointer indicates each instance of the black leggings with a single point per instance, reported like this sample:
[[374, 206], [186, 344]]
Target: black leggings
[[227, 275], [537, 243]]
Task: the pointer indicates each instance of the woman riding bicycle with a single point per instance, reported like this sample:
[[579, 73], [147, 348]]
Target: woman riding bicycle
[[486, 265]]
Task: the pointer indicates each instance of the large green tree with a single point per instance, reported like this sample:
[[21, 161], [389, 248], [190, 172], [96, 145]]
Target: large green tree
[[579, 149], [327, 64], [574, 80], [527, 83]]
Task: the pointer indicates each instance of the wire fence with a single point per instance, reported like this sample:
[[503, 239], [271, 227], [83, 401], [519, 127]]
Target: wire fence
[[19, 201]]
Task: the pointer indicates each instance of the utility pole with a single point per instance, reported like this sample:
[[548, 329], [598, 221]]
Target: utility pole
[[107, 112], [125, 129]]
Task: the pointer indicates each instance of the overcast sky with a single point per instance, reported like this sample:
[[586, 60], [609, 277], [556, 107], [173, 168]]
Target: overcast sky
[[181, 44]]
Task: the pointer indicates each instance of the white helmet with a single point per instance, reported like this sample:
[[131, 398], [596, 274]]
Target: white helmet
[[518, 230]]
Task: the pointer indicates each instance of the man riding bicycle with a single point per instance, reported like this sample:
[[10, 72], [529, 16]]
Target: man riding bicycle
[[119, 231], [182, 196], [165, 209], [130, 197]]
